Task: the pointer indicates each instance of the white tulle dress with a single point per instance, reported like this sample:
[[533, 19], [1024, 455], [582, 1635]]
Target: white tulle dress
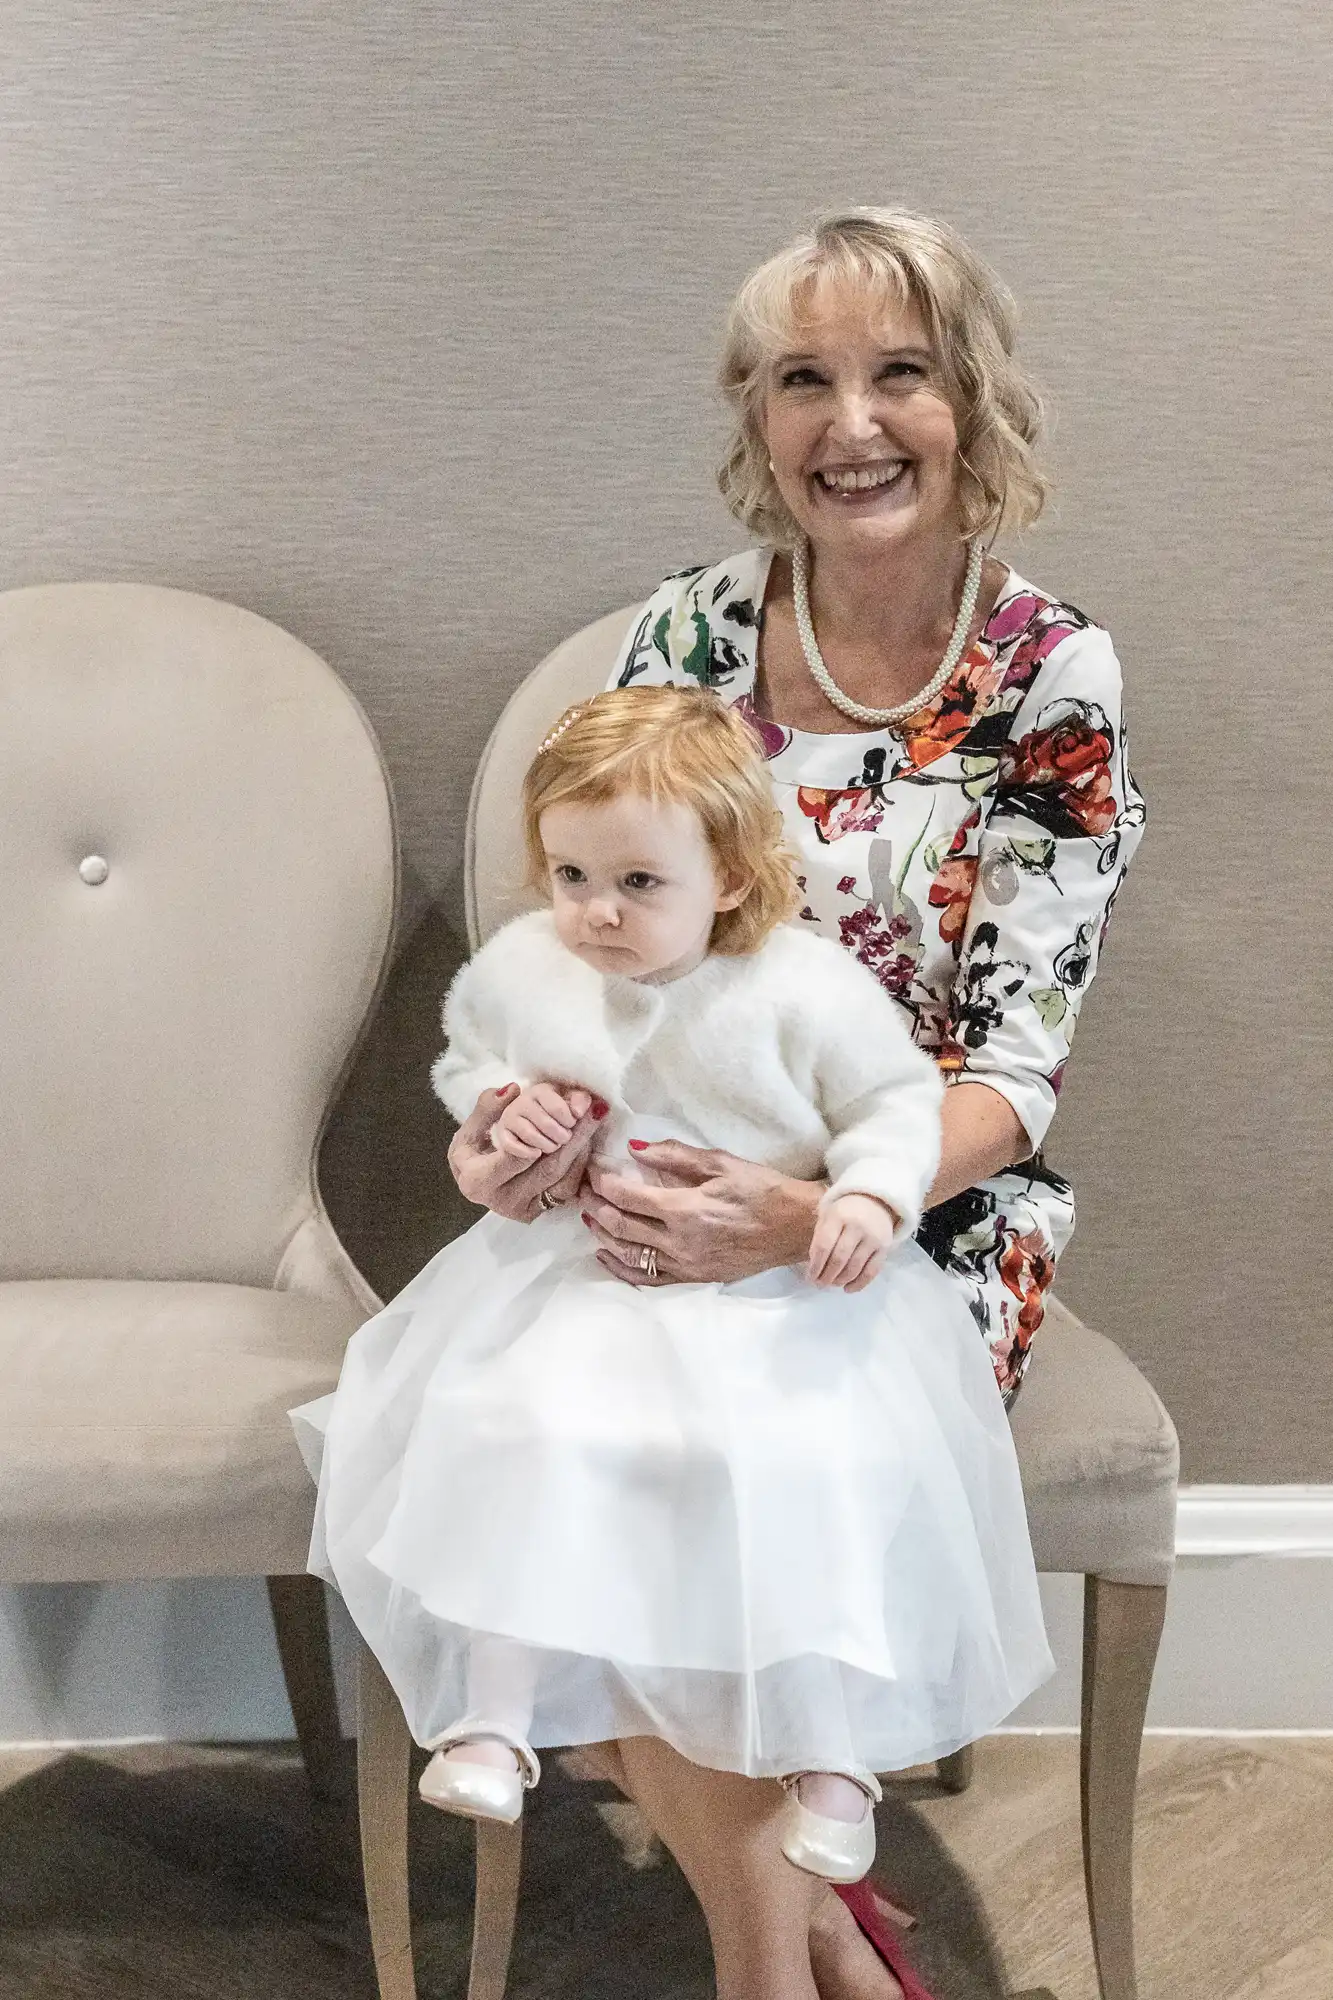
[[779, 1527]]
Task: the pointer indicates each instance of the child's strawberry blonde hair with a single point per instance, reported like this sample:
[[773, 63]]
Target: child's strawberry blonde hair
[[679, 746]]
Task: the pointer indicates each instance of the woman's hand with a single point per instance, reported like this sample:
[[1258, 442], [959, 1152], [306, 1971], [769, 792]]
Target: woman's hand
[[715, 1218], [719, 1218], [506, 1185]]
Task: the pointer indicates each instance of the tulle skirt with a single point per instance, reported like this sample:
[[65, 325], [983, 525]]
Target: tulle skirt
[[780, 1528]]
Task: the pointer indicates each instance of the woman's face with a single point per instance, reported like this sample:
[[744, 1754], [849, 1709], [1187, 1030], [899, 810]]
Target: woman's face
[[862, 438], [634, 887]]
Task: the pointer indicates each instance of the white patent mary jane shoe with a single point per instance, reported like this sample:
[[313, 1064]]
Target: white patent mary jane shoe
[[479, 1791], [839, 1850]]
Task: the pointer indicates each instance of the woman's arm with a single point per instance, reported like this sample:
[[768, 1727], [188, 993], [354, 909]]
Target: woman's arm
[[1049, 860], [983, 1135]]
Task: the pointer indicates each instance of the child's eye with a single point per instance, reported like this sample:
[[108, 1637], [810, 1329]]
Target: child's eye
[[569, 874], [640, 880]]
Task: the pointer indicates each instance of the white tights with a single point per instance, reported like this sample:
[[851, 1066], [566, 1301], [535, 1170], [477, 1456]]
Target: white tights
[[501, 1682], [828, 1792]]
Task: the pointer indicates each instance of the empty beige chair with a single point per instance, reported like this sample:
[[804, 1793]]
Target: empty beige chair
[[197, 894], [1097, 1450]]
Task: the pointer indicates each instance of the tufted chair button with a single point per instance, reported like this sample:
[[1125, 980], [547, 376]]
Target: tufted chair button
[[94, 870]]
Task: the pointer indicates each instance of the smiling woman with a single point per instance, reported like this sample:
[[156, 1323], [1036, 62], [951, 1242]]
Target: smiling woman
[[897, 309], [946, 747], [917, 700]]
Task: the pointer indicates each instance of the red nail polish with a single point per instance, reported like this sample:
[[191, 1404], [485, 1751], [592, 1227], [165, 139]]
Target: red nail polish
[[599, 1107], [638, 1145], [585, 1217]]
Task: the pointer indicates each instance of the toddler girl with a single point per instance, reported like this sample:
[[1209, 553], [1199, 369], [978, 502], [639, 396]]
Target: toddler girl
[[777, 1522]]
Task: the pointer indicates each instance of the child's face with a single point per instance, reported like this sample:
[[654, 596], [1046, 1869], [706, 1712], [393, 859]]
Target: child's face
[[634, 887]]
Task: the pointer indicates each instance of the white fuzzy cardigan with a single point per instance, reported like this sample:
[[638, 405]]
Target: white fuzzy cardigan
[[793, 1056]]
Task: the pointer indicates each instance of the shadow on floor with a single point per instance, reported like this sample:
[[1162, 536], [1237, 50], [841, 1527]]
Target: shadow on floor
[[208, 1873]]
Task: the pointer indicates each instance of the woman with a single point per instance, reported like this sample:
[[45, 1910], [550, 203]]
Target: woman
[[947, 745]]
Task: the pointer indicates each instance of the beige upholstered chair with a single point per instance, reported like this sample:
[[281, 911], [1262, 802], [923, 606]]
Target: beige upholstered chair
[[197, 895], [1098, 1456]]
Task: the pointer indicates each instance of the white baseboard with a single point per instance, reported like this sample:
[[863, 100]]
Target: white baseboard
[[1249, 1632], [1248, 1638], [1255, 1521]]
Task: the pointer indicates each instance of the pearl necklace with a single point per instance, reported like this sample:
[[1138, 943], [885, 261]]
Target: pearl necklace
[[814, 659]]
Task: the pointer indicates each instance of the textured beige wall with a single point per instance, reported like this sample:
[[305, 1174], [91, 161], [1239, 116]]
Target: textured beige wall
[[396, 323]]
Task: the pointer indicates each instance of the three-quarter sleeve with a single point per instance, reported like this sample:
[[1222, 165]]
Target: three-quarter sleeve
[[1047, 866]]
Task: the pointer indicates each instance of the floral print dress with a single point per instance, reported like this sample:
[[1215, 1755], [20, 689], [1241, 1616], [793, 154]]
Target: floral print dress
[[971, 859]]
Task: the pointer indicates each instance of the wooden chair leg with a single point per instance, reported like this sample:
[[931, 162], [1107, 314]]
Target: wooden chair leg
[[1122, 1626], [499, 1857], [955, 1773], [301, 1621], [383, 1767]]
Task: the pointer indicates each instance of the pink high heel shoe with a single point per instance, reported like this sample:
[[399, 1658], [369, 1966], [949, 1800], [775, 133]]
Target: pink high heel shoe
[[880, 1931]]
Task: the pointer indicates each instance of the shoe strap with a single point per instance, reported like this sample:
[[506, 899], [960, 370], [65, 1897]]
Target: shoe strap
[[473, 1730], [867, 1780]]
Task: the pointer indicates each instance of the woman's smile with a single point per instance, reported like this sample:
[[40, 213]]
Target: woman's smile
[[883, 482]]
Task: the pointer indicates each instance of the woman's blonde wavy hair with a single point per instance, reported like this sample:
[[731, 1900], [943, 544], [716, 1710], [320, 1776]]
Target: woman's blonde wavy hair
[[971, 320], [681, 746]]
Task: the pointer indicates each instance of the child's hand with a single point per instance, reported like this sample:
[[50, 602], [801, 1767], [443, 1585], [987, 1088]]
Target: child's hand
[[539, 1121], [850, 1241]]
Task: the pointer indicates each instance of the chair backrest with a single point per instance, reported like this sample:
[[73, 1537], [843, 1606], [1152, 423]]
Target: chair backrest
[[197, 897], [494, 861]]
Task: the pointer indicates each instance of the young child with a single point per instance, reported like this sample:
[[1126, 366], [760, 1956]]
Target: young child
[[777, 1522]]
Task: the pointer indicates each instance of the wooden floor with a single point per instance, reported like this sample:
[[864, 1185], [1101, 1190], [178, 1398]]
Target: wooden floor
[[171, 1874]]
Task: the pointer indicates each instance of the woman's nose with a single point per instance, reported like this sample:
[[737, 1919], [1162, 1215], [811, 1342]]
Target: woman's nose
[[853, 419]]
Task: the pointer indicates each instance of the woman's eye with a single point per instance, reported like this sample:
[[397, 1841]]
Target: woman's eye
[[641, 880], [901, 371], [798, 378]]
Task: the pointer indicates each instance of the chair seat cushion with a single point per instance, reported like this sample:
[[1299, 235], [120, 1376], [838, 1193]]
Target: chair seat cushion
[[144, 1431], [1099, 1458], [114, 1465]]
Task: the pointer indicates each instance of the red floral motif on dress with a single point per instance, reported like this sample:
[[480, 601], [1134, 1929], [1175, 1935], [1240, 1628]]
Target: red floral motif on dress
[[1073, 757], [838, 813], [933, 732], [1026, 1270], [955, 879]]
